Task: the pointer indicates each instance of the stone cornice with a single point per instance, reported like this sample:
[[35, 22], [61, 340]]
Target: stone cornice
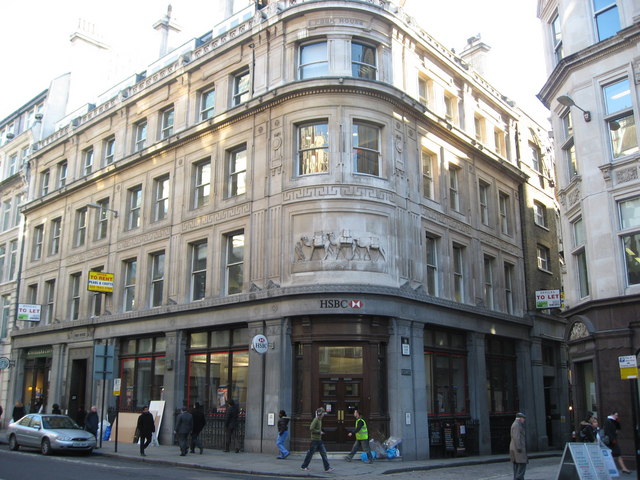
[[272, 294], [627, 38]]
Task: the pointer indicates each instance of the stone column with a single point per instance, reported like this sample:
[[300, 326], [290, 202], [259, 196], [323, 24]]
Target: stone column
[[407, 389], [175, 375], [527, 398], [269, 385], [537, 422], [477, 378], [59, 369]]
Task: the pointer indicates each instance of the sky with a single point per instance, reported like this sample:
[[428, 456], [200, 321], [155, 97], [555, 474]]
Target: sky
[[35, 36]]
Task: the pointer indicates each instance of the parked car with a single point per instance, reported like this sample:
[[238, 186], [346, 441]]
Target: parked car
[[49, 433]]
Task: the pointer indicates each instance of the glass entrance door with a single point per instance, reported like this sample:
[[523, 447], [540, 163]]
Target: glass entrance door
[[339, 396]]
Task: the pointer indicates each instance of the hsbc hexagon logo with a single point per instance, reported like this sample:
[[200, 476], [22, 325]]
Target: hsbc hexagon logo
[[336, 303]]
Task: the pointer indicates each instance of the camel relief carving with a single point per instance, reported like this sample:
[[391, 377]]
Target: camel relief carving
[[341, 246]]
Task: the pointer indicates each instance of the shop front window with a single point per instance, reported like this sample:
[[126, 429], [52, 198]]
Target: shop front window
[[218, 364], [446, 373], [501, 375], [142, 367]]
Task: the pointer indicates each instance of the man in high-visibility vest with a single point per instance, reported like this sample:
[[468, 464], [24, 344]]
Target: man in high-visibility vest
[[362, 438]]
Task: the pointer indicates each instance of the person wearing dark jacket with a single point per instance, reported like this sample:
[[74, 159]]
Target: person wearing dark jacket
[[587, 430], [199, 421], [184, 426], [283, 432], [56, 409], [230, 425], [92, 421], [611, 427], [81, 415], [18, 412], [145, 426]]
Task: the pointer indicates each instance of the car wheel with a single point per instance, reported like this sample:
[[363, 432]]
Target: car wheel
[[13, 443], [45, 446]]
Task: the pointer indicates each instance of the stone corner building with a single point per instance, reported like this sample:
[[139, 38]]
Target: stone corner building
[[592, 55], [326, 174]]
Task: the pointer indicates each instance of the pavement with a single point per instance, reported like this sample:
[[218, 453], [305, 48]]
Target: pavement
[[268, 464]]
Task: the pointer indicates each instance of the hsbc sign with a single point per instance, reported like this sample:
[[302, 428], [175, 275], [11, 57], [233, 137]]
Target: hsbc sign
[[336, 303]]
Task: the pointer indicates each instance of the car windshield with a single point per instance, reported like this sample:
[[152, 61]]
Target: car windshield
[[58, 422]]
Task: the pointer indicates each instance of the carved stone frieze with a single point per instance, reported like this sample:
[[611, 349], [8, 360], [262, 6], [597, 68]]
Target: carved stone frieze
[[337, 191], [573, 197], [343, 246], [626, 175], [145, 238], [237, 211], [579, 330]]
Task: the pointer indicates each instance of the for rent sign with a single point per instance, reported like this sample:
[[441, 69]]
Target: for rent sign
[[548, 299], [100, 282]]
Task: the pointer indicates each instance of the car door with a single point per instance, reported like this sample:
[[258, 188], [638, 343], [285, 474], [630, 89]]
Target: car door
[[36, 431], [22, 429]]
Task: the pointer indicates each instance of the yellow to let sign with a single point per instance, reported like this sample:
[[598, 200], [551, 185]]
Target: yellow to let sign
[[628, 367], [116, 387], [100, 282]]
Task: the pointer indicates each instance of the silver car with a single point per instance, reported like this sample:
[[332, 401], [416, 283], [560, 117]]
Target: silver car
[[49, 433]]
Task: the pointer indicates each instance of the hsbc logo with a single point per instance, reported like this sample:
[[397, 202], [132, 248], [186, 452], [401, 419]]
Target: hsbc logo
[[335, 303]]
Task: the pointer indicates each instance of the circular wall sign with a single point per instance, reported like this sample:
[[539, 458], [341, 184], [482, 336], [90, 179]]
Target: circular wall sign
[[4, 363], [260, 344]]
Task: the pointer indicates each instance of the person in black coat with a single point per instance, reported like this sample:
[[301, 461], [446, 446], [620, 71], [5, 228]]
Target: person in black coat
[[587, 429], [18, 412], [231, 425], [611, 427], [92, 421], [56, 409], [145, 426], [199, 421], [81, 415], [184, 426]]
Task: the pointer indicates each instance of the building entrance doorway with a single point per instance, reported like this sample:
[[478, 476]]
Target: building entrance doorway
[[339, 396], [340, 374]]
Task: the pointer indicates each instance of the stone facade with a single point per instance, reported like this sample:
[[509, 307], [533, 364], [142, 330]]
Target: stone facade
[[592, 59], [352, 190]]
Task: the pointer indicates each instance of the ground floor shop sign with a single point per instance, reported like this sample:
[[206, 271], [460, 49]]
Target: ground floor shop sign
[[586, 461]]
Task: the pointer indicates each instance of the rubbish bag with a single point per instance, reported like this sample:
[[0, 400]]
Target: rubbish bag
[[376, 446], [391, 442], [393, 453], [364, 457], [107, 433]]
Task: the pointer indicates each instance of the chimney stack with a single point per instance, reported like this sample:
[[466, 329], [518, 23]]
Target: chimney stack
[[475, 52], [163, 26]]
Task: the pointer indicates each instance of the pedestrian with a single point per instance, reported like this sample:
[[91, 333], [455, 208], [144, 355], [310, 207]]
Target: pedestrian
[[316, 442], [362, 438], [283, 433], [518, 447], [231, 425], [184, 426], [92, 421], [199, 421], [55, 410], [611, 427], [587, 432], [81, 415], [145, 427], [18, 411]]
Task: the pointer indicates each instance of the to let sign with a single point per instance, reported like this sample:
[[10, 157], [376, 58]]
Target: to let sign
[[628, 367], [548, 299], [29, 313]]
